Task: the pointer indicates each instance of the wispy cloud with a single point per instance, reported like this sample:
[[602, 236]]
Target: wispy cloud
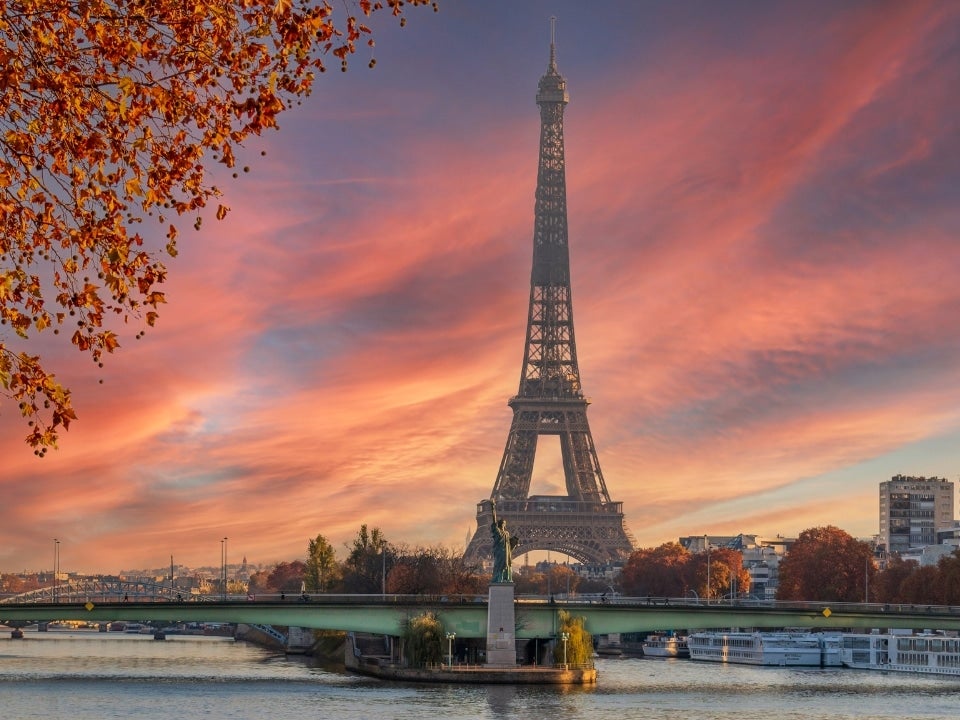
[[763, 216]]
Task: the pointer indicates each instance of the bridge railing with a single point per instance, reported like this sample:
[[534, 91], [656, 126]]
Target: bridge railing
[[726, 603], [117, 594]]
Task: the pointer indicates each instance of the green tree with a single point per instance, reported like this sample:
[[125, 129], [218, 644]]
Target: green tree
[[322, 570], [826, 563], [111, 114], [368, 560]]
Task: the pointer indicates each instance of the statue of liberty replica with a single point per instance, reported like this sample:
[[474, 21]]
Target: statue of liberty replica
[[503, 545], [501, 623]]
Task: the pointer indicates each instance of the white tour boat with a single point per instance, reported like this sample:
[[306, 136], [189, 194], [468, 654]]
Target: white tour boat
[[930, 653], [663, 645], [766, 648]]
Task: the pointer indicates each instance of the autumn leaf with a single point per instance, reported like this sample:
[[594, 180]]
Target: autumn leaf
[[110, 112]]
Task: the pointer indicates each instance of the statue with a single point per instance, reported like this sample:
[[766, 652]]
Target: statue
[[503, 546]]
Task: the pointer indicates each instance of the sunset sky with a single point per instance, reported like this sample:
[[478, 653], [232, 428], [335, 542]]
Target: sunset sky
[[764, 210]]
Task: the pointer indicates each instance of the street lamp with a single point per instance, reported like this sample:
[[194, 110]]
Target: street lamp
[[56, 569], [564, 637], [450, 637], [707, 544], [223, 569]]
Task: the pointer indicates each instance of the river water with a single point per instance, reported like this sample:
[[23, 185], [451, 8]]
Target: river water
[[85, 675]]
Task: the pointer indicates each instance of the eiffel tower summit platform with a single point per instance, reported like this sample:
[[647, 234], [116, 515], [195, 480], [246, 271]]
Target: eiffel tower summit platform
[[585, 523]]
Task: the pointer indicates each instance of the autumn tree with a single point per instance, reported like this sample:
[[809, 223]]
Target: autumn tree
[[15, 584], [826, 563], [718, 573], [111, 114], [886, 588], [529, 580], [660, 571], [949, 569], [415, 572], [922, 587], [322, 569], [286, 577], [435, 570], [579, 644], [561, 579], [259, 583], [905, 581], [460, 577]]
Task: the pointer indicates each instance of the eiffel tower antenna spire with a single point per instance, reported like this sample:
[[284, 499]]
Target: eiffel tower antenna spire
[[585, 523], [553, 44]]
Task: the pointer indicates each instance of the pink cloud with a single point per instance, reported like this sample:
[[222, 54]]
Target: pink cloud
[[340, 351]]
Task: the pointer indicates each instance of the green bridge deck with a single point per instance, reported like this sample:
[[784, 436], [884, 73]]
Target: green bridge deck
[[467, 617]]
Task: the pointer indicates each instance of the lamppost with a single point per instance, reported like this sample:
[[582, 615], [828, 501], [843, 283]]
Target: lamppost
[[450, 637], [708, 568], [223, 569], [56, 570], [866, 580], [564, 637]]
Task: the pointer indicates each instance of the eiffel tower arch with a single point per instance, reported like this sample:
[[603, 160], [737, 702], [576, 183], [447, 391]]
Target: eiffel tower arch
[[585, 523]]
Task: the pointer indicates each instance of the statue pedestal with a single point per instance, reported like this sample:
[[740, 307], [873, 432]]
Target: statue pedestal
[[501, 626]]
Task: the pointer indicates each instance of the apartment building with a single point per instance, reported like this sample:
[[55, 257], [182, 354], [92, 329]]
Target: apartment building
[[912, 510]]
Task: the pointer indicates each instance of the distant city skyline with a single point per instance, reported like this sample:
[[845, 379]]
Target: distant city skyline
[[764, 207]]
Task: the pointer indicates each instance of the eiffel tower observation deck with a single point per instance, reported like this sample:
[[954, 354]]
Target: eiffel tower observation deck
[[585, 523]]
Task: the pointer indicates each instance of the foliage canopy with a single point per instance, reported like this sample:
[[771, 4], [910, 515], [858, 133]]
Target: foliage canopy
[[826, 563], [110, 114], [578, 649], [423, 637]]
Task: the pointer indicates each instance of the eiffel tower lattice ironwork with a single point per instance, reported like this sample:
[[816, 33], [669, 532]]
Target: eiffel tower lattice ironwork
[[584, 524]]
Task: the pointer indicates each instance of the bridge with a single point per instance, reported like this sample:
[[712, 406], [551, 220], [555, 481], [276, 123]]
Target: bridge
[[102, 589], [536, 617]]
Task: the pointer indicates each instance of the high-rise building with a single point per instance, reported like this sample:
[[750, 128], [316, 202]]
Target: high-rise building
[[912, 509]]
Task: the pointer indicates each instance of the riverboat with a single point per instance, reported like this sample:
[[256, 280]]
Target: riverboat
[[928, 653], [785, 648], [664, 645]]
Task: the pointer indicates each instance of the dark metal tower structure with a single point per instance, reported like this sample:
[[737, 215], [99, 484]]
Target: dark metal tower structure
[[584, 523]]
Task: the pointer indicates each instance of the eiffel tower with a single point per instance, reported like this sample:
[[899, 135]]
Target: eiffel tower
[[584, 524]]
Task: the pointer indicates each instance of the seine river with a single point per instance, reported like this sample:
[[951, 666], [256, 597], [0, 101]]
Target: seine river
[[97, 676]]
